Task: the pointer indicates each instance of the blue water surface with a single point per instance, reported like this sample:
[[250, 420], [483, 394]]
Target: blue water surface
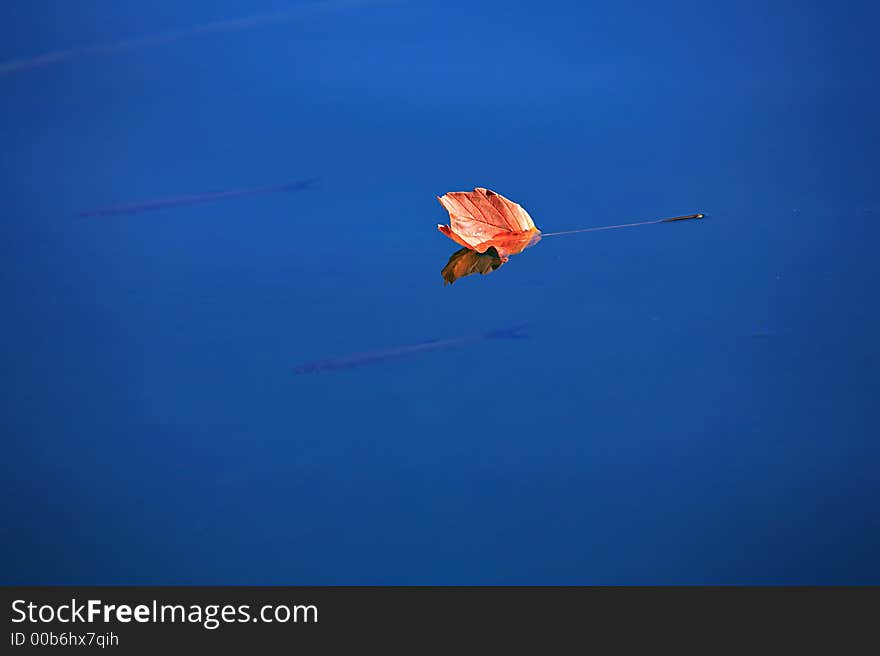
[[696, 402]]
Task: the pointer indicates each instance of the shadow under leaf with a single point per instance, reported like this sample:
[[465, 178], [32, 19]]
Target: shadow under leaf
[[495, 252], [464, 262]]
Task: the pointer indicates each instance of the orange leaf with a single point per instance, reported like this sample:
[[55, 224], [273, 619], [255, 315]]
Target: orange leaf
[[481, 219]]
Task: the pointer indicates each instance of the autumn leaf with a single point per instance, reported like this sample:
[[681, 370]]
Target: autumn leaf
[[482, 219]]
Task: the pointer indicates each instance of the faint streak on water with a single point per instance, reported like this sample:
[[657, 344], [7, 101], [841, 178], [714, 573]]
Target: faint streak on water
[[229, 25]]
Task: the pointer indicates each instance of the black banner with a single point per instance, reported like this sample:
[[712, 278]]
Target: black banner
[[179, 619]]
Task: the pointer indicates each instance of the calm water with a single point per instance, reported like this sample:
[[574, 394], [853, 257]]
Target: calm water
[[696, 402]]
